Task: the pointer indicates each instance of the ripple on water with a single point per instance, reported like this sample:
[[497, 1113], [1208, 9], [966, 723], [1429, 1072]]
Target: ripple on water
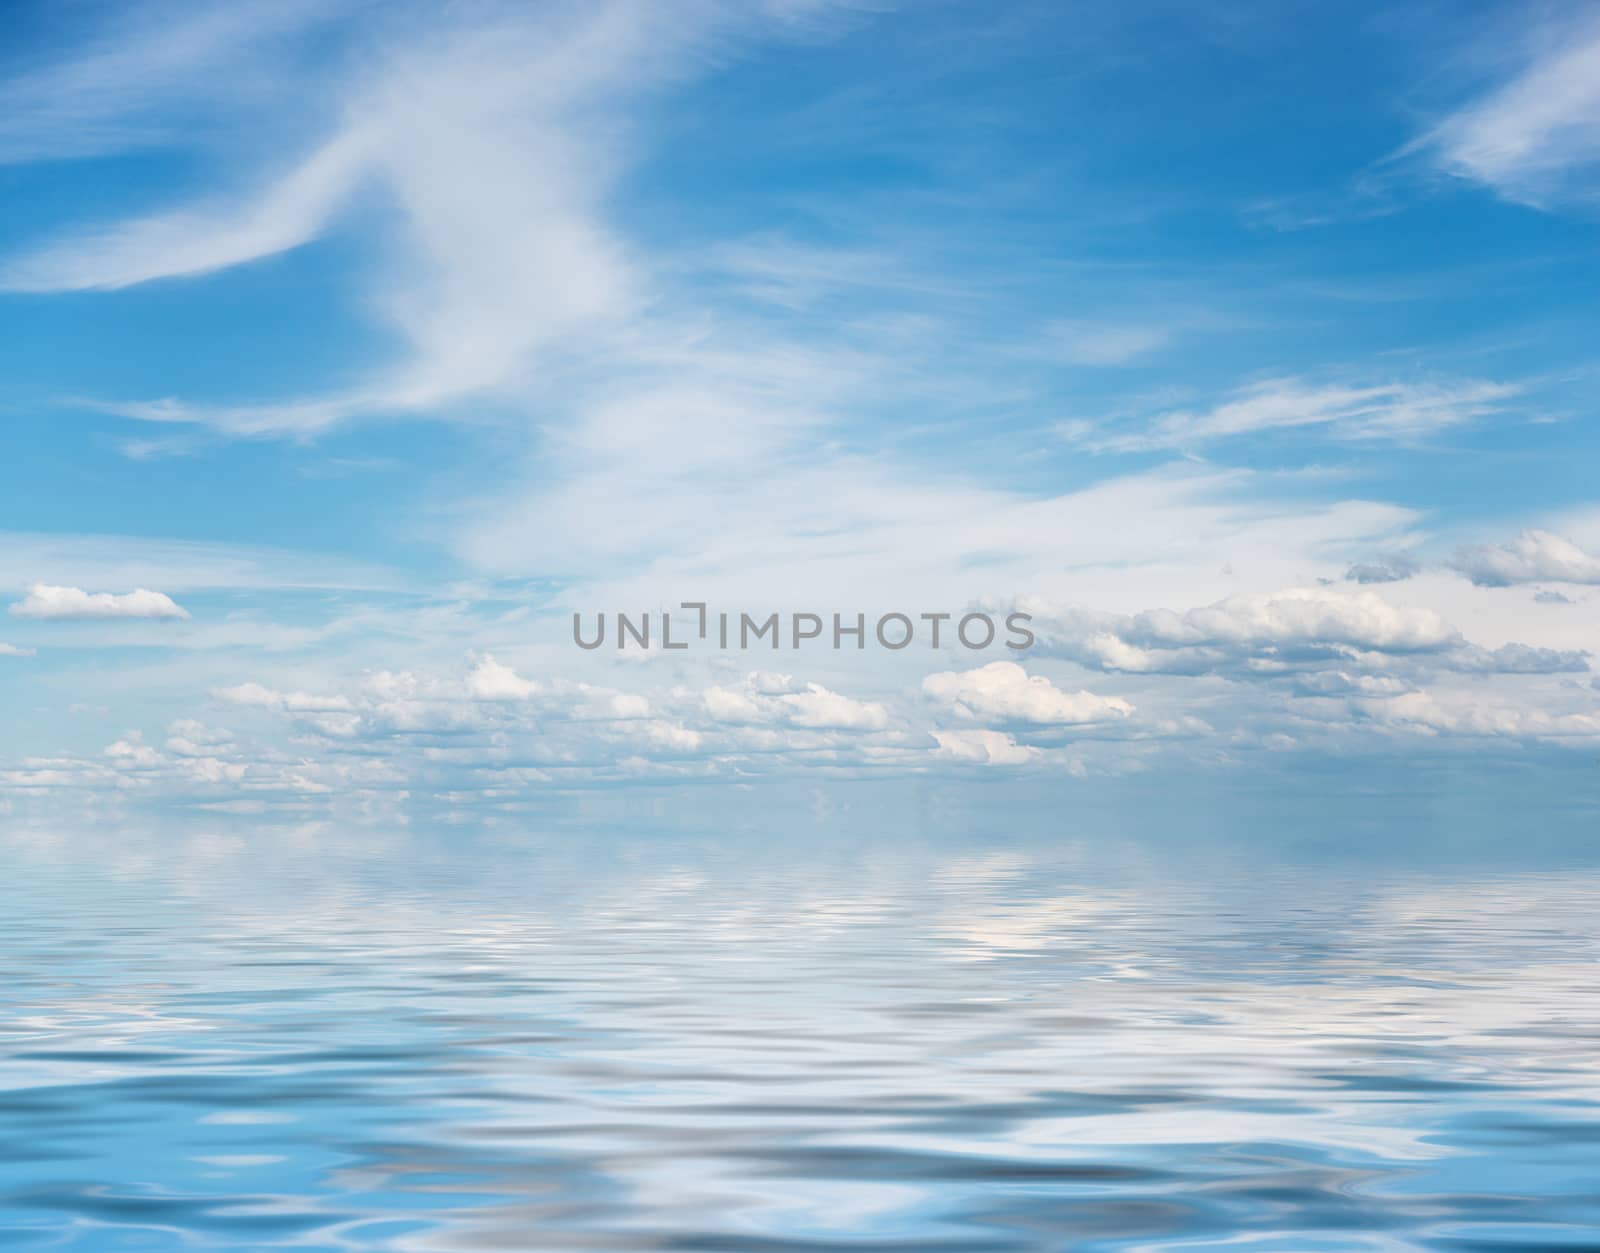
[[743, 1049]]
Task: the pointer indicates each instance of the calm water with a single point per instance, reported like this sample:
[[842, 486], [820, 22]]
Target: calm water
[[322, 1038]]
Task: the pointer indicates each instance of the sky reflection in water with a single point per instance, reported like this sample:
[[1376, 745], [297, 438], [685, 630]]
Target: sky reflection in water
[[326, 1038]]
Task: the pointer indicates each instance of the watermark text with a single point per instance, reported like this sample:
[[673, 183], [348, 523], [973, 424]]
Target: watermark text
[[694, 624]]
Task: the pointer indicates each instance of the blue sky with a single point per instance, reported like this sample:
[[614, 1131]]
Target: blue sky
[[348, 349]]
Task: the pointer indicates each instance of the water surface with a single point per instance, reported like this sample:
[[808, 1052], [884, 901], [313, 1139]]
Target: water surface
[[325, 1038]]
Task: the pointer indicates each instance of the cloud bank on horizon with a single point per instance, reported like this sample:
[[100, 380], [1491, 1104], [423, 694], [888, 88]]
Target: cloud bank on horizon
[[351, 349]]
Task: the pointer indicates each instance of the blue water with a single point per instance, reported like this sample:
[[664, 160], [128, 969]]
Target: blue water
[[337, 1038]]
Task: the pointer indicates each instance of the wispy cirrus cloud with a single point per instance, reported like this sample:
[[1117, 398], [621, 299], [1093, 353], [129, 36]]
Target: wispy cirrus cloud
[[1534, 137], [864, 402], [1393, 412], [120, 89], [177, 565], [201, 239], [493, 138], [1103, 344]]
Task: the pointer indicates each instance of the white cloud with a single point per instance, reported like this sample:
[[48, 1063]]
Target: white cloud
[[605, 705], [779, 698], [261, 697], [1003, 691], [989, 748], [1393, 568], [116, 92], [1315, 615], [394, 733], [672, 737], [1515, 659], [132, 752], [1534, 556], [1091, 344], [492, 134], [818, 707], [198, 241], [1339, 683], [496, 142], [1263, 633], [1536, 137], [47, 601], [188, 737], [1394, 412], [1472, 716], [492, 150], [179, 565], [792, 530], [489, 680], [11, 650]]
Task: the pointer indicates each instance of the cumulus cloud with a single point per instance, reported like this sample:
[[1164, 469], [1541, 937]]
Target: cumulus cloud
[[780, 698], [1395, 568], [459, 733], [132, 752], [485, 734], [489, 680], [1516, 659], [1318, 643], [188, 737], [46, 601], [605, 704], [488, 141], [1342, 683], [984, 747], [1534, 556], [1300, 615], [1004, 692], [1262, 634], [1471, 716]]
